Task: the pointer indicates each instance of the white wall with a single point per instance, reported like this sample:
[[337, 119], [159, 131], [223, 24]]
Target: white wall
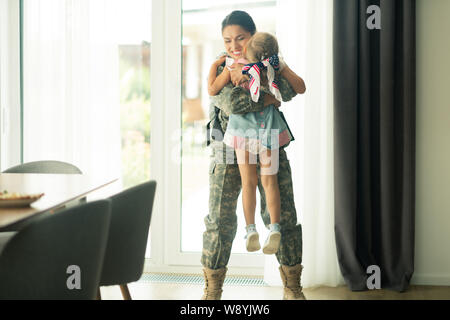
[[432, 255], [9, 84]]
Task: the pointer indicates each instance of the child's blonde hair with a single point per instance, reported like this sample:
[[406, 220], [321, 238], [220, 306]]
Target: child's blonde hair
[[261, 46]]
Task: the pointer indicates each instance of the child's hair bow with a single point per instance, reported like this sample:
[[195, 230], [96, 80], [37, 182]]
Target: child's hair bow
[[271, 64]]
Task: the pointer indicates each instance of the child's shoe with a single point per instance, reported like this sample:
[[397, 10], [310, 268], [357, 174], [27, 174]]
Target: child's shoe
[[273, 240], [252, 238]]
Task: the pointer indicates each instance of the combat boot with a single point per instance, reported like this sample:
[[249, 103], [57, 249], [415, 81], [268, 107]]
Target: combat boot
[[291, 277], [213, 283]]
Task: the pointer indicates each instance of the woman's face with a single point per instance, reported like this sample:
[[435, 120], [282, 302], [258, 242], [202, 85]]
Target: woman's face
[[235, 38]]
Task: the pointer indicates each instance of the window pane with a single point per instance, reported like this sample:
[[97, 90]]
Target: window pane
[[87, 87], [202, 43]]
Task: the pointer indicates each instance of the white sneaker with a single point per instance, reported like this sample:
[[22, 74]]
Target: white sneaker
[[273, 240], [252, 239]]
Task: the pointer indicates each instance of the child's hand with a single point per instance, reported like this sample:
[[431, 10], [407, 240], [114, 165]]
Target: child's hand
[[236, 74]]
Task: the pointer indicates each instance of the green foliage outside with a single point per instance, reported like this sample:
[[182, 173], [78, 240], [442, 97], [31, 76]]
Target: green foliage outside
[[135, 121]]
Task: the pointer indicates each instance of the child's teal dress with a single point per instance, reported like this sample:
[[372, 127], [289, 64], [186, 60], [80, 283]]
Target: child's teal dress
[[256, 132]]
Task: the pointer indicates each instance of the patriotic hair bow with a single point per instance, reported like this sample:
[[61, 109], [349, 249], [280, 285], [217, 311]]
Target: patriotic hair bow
[[271, 64]]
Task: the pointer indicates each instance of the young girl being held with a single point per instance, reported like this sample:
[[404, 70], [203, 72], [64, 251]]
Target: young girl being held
[[258, 134]]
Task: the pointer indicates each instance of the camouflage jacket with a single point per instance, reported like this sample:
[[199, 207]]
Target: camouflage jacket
[[237, 100]]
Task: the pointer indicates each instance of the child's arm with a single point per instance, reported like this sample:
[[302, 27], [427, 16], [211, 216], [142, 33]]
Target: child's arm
[[294, 80], [218, 82]]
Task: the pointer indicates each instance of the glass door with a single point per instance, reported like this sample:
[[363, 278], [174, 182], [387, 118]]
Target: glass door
[[202, 43]]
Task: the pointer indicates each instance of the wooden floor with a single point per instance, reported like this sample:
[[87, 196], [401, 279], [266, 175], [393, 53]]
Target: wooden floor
[[171, 291]]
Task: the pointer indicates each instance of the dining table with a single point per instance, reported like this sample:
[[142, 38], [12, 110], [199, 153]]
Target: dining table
[[59, 190]]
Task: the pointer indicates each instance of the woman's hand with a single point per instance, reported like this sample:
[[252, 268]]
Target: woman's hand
[[269, 99]]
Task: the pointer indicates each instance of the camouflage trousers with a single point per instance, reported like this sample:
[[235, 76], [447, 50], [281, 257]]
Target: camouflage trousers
[[221, 222]]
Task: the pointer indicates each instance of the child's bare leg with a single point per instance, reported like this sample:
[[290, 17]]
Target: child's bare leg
[[269, 180], [249, 179]]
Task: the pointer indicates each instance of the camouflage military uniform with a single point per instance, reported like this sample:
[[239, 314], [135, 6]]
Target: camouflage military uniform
[[225, 186]]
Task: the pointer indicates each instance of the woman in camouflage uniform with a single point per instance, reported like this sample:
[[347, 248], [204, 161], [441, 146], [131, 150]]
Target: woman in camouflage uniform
[[225, 180]]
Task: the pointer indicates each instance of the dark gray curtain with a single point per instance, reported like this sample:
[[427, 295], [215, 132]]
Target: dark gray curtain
[[374, 76]]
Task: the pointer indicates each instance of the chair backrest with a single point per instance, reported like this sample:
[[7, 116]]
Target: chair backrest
[[131, 212], [49, 258], [48, 166]]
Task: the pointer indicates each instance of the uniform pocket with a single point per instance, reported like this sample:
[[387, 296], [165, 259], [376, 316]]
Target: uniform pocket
[[212, 168]]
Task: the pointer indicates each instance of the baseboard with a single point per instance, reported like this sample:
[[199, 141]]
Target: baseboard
[[423, 279]]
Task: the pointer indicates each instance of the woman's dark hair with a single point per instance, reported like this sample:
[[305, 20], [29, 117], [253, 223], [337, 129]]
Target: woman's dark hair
[[242, 19]]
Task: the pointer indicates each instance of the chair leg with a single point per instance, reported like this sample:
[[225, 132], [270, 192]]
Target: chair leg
[[125, 292], [99, 295]]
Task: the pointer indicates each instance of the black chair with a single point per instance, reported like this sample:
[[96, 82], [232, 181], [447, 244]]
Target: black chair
[[47, 166], [131, 212], [42, 167], [36, 262]]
